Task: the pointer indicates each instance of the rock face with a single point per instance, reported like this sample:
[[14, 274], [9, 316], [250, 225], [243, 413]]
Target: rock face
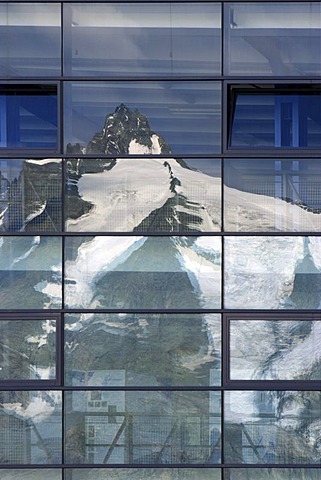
[[122, 130]]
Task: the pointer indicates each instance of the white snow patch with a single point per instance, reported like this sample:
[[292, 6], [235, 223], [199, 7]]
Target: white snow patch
[[94, 259]]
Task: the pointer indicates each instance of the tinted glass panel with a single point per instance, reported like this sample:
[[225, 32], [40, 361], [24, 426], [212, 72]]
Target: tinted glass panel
[[275, 473], [142, 272], [30, 428], [272, 272], [30, 195], [28, 116], [30, 272], [279, 39], [278, 119], [27, 349], [142, 118], [142, 349], [29, 39], [275, 349], [272, 195], [148, 195], [277, 427], [143, 474], [142, 427], [160, 39], [29, 474]]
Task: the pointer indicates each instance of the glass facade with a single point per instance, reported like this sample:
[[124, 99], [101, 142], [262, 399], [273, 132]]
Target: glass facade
[[160, 219]]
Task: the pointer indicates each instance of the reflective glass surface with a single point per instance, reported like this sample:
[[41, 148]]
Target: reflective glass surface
[[27, 349], [272, 427], [142, 272], [142, 349], [276, 118], [29, 39], [30, 195], [142, 38], [118, 118], [275, 349], [28, 117], [143, 474], [272, 272], [142, 427], [30, 474], [147, 195], [30, 428], [275, 38], [272, 195], [30, 272], [272, 473]]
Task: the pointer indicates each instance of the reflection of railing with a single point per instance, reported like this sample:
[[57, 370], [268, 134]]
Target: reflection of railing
[[122, 437], [267, 443]]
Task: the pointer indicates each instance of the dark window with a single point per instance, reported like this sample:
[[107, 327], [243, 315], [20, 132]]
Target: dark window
[[273, 116], [28, 116]]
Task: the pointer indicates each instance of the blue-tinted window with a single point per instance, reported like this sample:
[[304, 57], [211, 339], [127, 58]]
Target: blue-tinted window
[[265, 116], [28, 116]]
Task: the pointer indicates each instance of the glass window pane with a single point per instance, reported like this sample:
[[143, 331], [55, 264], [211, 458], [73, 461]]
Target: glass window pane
[[119, 118], [272, 427], [30, 195], [275, 117], [278, 38], [272, 195], [142, 349], [274, 348], [142, 272], [27, 349], [28, 116], [30, 427], [143, 474], [31, 474], [275, 473], [29, 39], [272, 272], [105, 427], [147, 195], [30, 272], [142, 38]]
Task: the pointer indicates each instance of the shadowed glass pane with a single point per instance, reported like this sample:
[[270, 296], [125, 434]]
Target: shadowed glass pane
[[29, 39], [276, 117], [147, 195], [275, 349], [30, 427], [142, 427], [30, 272], [276, 38], [272, 474], [142, 38], [143, 474], [30, 195], [272, 195], [142, 272], [27, 349], [272, 272], [120, 118], [272, 427], [28, 116], [142, 349]]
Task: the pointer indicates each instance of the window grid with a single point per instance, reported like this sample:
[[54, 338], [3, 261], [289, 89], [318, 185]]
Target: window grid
[[253, 453]]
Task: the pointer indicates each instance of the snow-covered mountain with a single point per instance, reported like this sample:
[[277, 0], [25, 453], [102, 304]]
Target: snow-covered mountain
[[125, 131], [127, 194]]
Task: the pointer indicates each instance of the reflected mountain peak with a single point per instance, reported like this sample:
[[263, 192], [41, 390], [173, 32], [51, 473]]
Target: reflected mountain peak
[[125, 131]]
